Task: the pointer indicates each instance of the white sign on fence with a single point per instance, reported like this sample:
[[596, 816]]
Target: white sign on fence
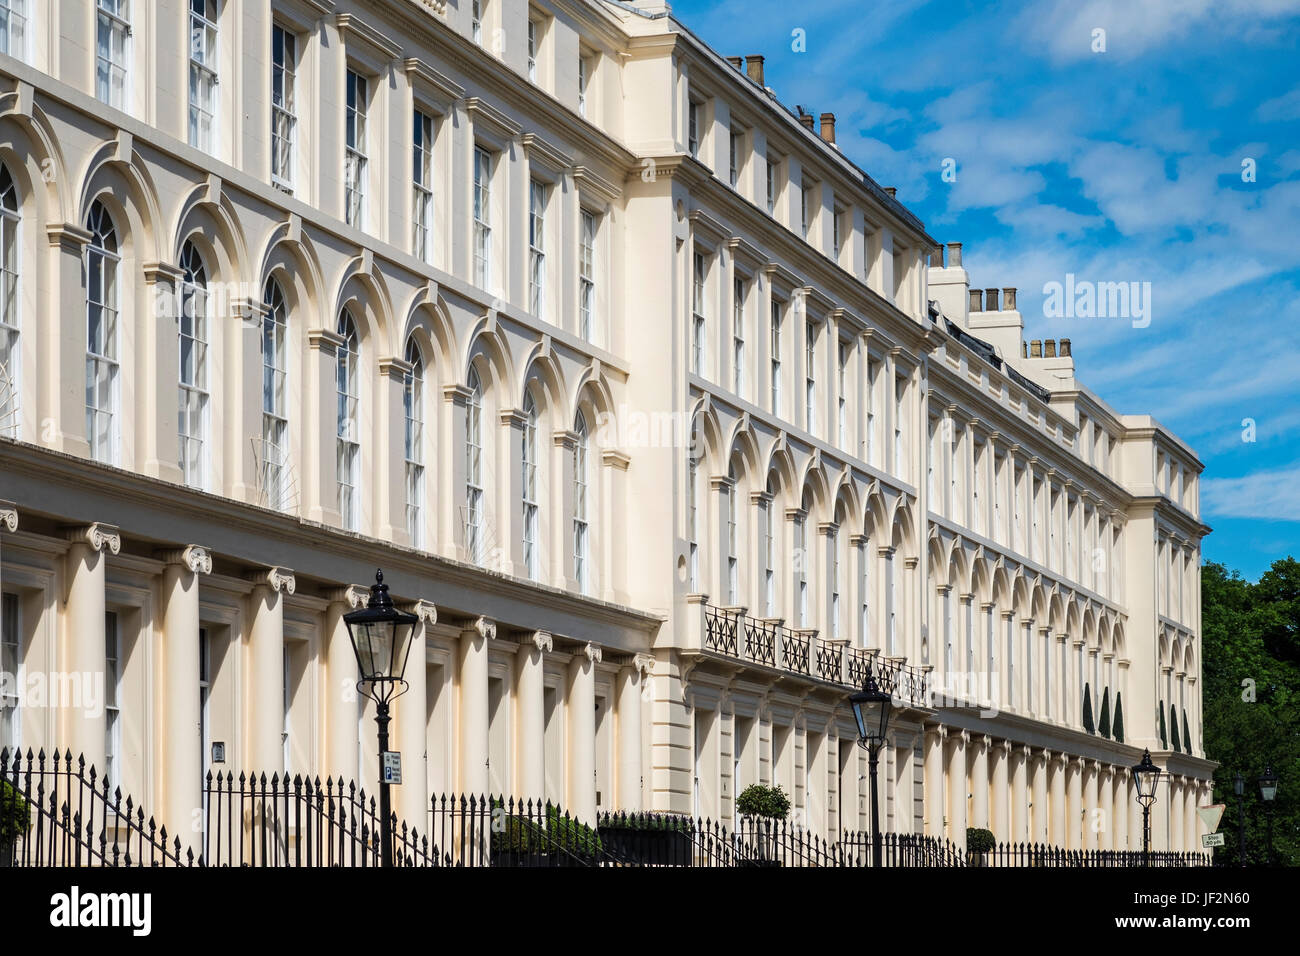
[[392, 766], [1211, 839]]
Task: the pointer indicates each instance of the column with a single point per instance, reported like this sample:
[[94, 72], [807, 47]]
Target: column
[[341, 701], [472, 736], [411, 802], [1073, 803], [389, 494], [530, 715], [62, 398], [265, 746], [630, 682], [1091, 804], [1057, 832], [1134, 815], [979, 786], [158, 372], [904, 789], [1191, 842], [581, 724], [1107, 791], [1001, 823], [1021, 799], [933, 782], [1119, 808], [1039, 824], [83, 728], [182, 743], [957, 788]]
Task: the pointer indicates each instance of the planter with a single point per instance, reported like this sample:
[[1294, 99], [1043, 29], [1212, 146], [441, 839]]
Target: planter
[[652, 847]]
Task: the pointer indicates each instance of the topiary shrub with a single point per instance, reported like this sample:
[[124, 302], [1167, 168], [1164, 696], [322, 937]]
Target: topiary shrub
[[1187, 735], [1173, 719], [1088, 725], [1118, 729], [758, 800], [979, 840], [1164, 737], [1103, 725]]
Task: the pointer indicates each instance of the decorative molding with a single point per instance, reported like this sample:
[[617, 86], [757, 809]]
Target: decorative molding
[[351, 26], [645, 665], [541, 640], [353, 595], [278, 579], [544, 154], [425, 611], [480, 627], [8, 516], [441, 90], [195, 557], [98, 536], [592, 652], [592, 184]]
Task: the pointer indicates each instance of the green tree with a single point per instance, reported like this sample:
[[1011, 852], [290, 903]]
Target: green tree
[[1173, 720], [1104, 726], [1119, 716], [1087, 710]]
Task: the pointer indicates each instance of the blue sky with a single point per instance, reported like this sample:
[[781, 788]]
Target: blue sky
[[1122, 165]]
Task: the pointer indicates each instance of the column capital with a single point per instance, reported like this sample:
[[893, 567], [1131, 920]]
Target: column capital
[[591, 652], [541, 640], [278, 579], [8, 516], [195, 557], [71, 237], [425, 611], [395, 368], [353, 595], [479, 627], [645, 665], [324, 340], [98, 535]]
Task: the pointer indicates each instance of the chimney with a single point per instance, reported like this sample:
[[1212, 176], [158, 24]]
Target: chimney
[[806, 118], [1049, 348], [1036, 349], [1065, 348], [754, 67], [828, 127], [736, 61], [990, 300], [936, 257], [1024, 349], [892, 191], [976, 300], [1009, 299], [954, 255]]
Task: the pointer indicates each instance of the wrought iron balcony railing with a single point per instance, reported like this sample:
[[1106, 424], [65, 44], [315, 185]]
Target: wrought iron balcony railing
[[766, 643]]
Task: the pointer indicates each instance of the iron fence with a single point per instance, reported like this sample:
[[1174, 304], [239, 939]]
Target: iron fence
[[55, 811]]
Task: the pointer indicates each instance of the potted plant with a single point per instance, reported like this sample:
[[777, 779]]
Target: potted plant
[[15, 821], [656, 839], [978, 844], [768, 807]]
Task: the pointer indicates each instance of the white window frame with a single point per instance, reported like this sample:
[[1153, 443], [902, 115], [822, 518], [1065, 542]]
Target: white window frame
[[529, 463], [356, 163], [113, 693], [112, 73], [205, 53], [423, 134], [284, 106], [413, 442], [348, 444], [589, 230], [10, 304], [777, 322], [699, 319], [13, 28], [738, 335], [474, 468], [103, 365], [532, 50], [192, 417], [275, 396], [693, 524], [538, 194], [11, 669], [810, 376], [581, 485], [732, 536], [482, 211]]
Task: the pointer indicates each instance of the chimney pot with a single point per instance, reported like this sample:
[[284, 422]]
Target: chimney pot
[[936, 257], [828, 127], [1036, 348], [1065, 348], [736, 61], [1024, 349], [806, 119], [990, 300], [1049, 348], [954, 255], [893, 191], [976, 300], [754, 67], [1009, 299]]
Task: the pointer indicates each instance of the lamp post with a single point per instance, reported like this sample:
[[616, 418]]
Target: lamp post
[[381, 638], [1239, 789], [1268, 790], [871, 712], [1145, 776]]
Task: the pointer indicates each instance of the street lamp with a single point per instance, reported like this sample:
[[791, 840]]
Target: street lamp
[[871, 711], [381, 638], [1268, 790], [1145, 776], [1239, 789]]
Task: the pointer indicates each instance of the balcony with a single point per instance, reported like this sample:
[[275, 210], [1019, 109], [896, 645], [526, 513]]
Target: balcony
[[732, 634]]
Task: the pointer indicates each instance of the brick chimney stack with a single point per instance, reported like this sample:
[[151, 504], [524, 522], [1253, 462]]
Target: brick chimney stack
[[828, 127], [736, 61], [754, 67], [954, 255]]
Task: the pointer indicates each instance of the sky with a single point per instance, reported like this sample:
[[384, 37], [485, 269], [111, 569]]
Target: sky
[[1147, 141]]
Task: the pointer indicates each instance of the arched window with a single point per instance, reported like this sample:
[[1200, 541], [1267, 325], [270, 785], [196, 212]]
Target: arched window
[[581, 544], [528, 458], [474, 468], [349, 445], [103, 305], [10, 219], [693, 524], [733, 557], [275, 413], [413, 408], [864, 592], [765, 511], [801, 559], [192, 418]]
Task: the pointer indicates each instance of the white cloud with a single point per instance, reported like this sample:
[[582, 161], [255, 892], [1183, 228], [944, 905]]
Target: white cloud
[[1280, 109], [1268, 495]]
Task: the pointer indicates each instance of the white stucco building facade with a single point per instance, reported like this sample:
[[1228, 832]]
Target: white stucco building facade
[[662, 415]]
